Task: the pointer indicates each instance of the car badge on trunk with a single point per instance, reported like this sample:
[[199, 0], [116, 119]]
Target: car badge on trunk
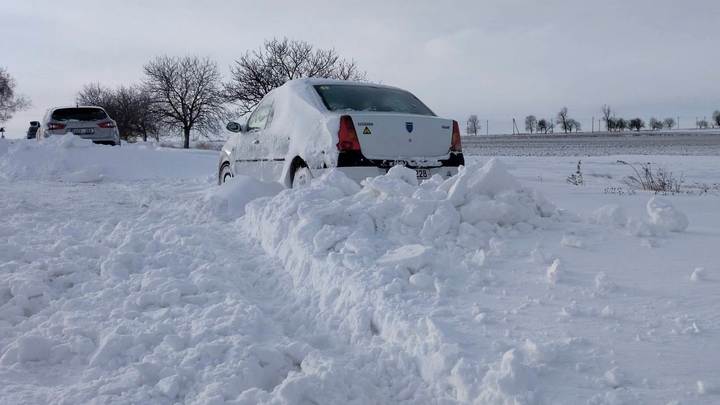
[[409, 126]]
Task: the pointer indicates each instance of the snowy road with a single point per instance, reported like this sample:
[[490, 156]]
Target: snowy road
[[133, 290], [148, 285]]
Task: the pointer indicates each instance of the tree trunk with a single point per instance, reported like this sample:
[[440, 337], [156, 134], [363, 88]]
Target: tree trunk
[[144, 132], [186, 136]]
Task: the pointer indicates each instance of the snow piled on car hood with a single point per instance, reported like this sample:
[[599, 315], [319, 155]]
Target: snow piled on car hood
[[73, 159]]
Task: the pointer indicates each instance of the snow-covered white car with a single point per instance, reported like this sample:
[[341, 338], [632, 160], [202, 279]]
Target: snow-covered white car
[[89, 122], [310, 125]]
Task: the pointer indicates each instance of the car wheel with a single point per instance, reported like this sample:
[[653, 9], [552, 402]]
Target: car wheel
[[301, 177], [225, 174]]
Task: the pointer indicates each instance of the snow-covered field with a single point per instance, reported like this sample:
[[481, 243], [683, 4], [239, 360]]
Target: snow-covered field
[[128, 276], [690, 143]]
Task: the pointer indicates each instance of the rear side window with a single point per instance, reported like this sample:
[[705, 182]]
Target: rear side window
[[343, 97], [78, 114]]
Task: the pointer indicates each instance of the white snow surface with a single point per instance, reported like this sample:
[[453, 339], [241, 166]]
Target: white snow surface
[[128, 276]]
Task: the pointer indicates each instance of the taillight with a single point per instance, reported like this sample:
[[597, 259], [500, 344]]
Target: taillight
[[347, 137], [107, 124], [53, 126], [455, 144]]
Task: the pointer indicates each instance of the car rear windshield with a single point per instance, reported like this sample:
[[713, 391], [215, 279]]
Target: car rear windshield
[[78, 114], [344, 97]]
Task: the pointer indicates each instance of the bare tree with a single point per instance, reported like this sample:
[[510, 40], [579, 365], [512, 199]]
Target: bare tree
[[574, 125], [655, 124], [611, 124], [473, 125], [186, 93], [702, 124], [280, 60], [10, 102], [129, 106], [716, 117], [669, 123], [562, 119], [637, 124], [621, 124], [545, 125], [531, 123], [542, 125], [606, 116]]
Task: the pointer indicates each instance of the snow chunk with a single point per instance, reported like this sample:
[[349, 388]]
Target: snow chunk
[[572, 241], [615, 378], [33, 348], [603, 284], [422, 281], [665, 216], [553, 272], [169, 386], [511, 381], [611, 214], [228, 201], [410, 256], [698, 274]]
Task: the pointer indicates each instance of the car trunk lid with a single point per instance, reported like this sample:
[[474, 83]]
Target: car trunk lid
[[402, 136]]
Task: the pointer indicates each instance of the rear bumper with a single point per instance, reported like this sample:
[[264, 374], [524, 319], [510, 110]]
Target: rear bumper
[[102, 137], [360, 173], [353, 159], [358, 167]]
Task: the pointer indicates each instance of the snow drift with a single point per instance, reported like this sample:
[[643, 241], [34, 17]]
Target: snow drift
[[362, 253], [73, 159]]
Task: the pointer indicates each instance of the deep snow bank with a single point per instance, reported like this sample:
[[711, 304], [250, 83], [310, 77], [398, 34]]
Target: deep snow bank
[[73, 159], [228, 202], [375, 259]]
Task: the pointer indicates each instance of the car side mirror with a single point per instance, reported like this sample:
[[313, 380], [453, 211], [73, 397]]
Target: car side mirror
[[233, 126]]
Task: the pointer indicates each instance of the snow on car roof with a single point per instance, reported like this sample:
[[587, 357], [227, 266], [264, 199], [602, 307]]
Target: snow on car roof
[[75, 106], [313, 81]]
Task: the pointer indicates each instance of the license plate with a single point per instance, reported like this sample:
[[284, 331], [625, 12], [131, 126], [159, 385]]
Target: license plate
[[422, 173], [83, 131]]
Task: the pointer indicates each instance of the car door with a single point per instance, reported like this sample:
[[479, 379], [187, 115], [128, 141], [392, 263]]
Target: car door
[[248, 152], [271, 148]]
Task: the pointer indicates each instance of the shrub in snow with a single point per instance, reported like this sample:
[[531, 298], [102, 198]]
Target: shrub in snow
[[658, 180], [576, 179], [664, 216]]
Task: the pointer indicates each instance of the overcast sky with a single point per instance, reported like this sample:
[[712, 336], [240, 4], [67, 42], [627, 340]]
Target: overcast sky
[[497, 59]]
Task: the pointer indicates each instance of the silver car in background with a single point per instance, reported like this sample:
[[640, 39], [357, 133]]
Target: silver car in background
[[88, 122]]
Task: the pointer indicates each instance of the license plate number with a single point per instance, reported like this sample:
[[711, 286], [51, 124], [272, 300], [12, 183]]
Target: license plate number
[[83, 131], [422, 173]]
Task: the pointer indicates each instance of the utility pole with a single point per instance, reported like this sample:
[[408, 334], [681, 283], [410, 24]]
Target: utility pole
[[487, 127], [593, 125]]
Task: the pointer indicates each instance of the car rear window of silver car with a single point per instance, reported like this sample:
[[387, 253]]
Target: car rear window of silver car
[[78, 114], [346, 97]]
